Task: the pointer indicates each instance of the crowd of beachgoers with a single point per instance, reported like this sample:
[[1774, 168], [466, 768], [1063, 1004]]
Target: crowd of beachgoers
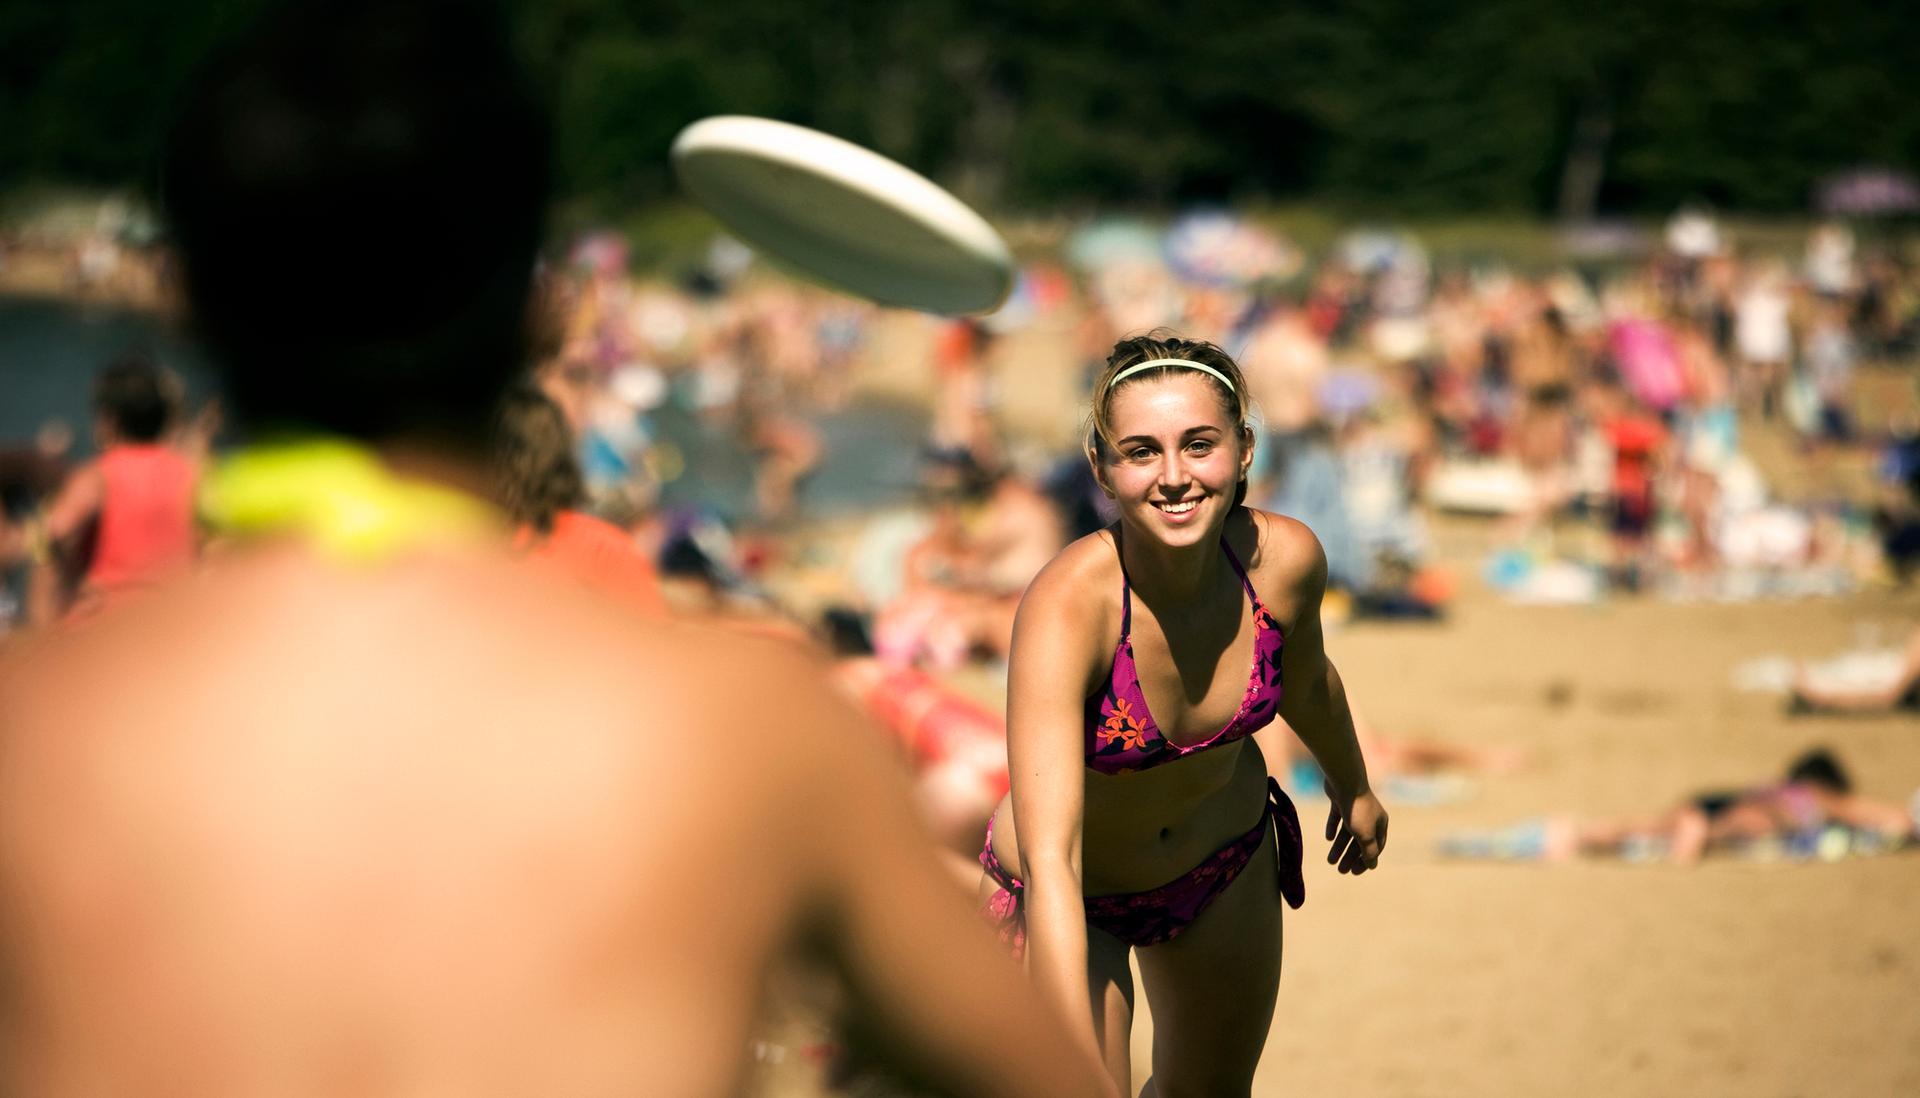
[[1597, 416]]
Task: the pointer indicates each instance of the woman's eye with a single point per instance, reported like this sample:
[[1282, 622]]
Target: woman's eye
[[1200, 447], [1140, 454]]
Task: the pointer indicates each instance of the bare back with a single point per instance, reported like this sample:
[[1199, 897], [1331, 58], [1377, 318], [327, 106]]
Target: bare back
[[434, 828]]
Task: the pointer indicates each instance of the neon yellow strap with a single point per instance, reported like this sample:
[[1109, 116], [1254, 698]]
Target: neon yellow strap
[[340, 497]]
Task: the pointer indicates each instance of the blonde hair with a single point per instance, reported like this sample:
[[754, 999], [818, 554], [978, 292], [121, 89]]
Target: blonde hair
[[1162, 344]]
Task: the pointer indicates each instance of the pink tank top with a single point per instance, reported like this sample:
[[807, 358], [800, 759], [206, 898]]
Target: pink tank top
[[146, 516]]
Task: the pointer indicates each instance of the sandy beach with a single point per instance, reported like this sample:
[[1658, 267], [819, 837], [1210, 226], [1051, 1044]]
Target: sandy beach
[[1729, 978]]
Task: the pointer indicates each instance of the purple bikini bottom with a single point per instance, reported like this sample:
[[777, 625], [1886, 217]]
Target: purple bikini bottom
[[1160, 914]]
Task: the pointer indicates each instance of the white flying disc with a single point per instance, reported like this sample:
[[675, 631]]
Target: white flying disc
[[843, 214]]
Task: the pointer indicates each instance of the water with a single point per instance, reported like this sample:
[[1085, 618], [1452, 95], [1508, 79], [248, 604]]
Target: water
[[50, 351]]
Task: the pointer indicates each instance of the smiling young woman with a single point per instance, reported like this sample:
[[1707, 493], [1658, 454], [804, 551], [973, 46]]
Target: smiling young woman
[[1147, 660]]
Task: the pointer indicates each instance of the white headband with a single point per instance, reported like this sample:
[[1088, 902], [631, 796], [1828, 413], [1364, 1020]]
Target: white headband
[[1184, 363]]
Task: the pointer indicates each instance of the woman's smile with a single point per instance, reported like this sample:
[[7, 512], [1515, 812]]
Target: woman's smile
[[1178, 511]]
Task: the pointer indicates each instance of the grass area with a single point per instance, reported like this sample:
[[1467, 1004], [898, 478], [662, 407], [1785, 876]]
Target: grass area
[[672, 234]]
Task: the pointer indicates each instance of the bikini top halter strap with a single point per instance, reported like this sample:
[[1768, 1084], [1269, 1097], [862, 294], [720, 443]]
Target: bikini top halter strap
[[1238, 570], [1126, 583]]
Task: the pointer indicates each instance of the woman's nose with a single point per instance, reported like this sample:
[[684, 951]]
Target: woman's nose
[[1173, 472]]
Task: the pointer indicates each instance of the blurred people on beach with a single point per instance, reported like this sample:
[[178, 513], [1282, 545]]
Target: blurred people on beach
[[540, 487], [1603, 410], [990, 532]]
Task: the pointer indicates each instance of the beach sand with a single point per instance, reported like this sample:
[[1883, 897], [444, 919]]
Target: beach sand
[[1729, 978]]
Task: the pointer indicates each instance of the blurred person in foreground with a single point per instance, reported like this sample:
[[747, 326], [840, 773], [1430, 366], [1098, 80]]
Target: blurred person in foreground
[[371, 807], [1145, 820], [140, 491]]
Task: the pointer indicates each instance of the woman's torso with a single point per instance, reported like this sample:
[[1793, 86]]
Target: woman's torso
[[1142, 829]]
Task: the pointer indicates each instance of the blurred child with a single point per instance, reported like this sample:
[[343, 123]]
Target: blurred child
[[139, 490]]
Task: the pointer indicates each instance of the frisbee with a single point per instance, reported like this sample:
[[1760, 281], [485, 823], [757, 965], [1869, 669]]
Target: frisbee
[[844, 215]]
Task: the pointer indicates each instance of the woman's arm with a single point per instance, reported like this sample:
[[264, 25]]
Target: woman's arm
[[1047, 671], [1314, 702], [1889, 820], [1278, 748]]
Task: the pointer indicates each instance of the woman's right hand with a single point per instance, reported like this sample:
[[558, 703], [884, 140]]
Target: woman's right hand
[[1357, 830]]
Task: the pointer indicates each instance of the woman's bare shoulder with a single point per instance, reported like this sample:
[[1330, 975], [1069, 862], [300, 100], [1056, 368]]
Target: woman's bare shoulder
[[1082, 581], [1283, 552]]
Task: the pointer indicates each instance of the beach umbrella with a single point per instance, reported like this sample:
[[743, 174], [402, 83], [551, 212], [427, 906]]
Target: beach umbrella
[[1867, 192], [1113, 240], [1375, 250], [1215, 248]]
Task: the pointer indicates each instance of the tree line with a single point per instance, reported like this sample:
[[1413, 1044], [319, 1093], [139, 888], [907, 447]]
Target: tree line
[[1528, 107]]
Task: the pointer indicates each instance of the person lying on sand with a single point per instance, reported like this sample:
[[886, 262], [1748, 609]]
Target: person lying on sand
[[1813, 797]]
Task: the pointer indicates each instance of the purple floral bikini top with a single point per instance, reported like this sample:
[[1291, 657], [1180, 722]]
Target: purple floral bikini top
[[1121, 734]]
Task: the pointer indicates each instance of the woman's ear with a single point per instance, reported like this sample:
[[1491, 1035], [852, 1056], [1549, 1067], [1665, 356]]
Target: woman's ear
[[1246, 451], [1099, 477]]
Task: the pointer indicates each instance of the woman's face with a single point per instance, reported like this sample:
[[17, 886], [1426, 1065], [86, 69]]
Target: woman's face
[[1176, 460]]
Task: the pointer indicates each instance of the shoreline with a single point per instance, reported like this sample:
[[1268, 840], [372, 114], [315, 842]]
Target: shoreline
[[127, 280]]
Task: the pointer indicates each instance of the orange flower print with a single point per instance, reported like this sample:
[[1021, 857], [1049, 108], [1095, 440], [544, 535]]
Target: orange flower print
[[1123, 727]]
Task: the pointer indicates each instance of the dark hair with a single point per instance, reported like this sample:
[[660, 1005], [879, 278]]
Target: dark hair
[[683, 557], [954, 473], [534, 469], [1819, 767], [1553, 394], [136, 397], [847, 631], [1160, 343], [357, 190]]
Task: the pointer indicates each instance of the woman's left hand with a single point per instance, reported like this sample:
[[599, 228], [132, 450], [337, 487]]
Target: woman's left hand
[[1357, 828]]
